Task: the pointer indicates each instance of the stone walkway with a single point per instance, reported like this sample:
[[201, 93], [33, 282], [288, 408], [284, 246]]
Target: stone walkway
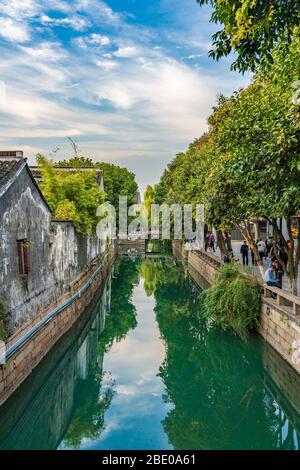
[[236, 251]]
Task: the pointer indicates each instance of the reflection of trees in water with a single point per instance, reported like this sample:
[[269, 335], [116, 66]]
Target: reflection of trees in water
[[211, 377], [153, 271], [89, 409], [90, 405], [122, 317]]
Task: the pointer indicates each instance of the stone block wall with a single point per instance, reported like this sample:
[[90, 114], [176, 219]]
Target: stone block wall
[[207, 269], [281, 331], [282, 379]]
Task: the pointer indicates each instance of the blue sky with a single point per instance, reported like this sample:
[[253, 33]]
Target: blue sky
[[129, 80]]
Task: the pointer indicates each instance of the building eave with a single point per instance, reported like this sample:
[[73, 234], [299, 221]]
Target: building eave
[[13, 178]]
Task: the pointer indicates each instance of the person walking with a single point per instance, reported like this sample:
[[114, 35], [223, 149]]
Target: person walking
[[261, 246], [283, 254], [212, 242], [245, 253], [253, 257]]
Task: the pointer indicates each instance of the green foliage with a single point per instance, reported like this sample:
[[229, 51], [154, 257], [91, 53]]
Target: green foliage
[[157, 272], [3, 332], [71, 196], [117, 180], [66, 210], [253, 28], [234, 301], [89, 409], [248, 165], [122, 317]]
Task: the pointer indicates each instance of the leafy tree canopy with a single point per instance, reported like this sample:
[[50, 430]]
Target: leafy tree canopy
[[71, 196], [248, 166], [253, 29], [117, 180]]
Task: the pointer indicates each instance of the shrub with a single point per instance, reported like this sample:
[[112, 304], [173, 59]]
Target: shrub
[[234, 301]]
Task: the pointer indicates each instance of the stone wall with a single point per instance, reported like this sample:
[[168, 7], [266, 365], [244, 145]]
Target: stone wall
[[58, 253], [21, 364], [281, 330], [206, 264], [283, 382]]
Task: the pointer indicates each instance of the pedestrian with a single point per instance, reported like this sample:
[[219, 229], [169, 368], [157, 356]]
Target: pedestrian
[[261, 246], [270, 278], [254, 262], [283, 254], [278, 272], [206, 242], [245, 253], [212, 242]]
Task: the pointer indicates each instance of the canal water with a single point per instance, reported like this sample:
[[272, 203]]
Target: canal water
[[142, 370]]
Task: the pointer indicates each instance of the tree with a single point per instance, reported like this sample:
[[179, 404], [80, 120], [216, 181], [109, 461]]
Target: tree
[[248, 165], [118, 181], [71, 196], [255, 143], [253, 29]]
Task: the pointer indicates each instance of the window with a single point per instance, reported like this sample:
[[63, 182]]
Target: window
[[24, 256]]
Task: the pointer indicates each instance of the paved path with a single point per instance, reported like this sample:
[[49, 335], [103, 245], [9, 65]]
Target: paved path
[[236, 251]]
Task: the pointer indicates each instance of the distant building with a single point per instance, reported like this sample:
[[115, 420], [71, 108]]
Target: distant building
[[137, 198], [11, 155], [99, 173]]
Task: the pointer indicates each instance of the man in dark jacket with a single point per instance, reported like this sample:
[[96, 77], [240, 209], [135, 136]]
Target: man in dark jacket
[[245, 253]]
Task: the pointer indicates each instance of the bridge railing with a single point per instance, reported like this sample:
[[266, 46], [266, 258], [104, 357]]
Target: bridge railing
[[209, 258], [285, 300]]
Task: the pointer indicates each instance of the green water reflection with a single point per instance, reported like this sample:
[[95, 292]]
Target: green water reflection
[[142, 371]]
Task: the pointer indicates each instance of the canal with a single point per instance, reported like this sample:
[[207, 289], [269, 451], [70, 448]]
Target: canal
[[142, 370]]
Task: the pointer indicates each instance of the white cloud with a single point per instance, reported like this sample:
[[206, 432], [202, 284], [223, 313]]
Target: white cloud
[[19, 9], [98, 39], [106, 65], [98, 11], [13, 31], [46, 51], [138, 112], [120, 96], [126, 52], [77, 23], [92, 40]]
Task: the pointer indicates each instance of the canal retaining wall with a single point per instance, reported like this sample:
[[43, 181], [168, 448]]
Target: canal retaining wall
[[34, 339], [179, 251], [279, 317], [52, 388]]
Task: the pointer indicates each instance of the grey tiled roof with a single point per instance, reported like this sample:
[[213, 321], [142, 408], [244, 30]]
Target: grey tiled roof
[[8, 168]]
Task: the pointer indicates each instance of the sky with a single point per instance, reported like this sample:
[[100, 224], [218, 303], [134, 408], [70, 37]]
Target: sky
[[129, 80]]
